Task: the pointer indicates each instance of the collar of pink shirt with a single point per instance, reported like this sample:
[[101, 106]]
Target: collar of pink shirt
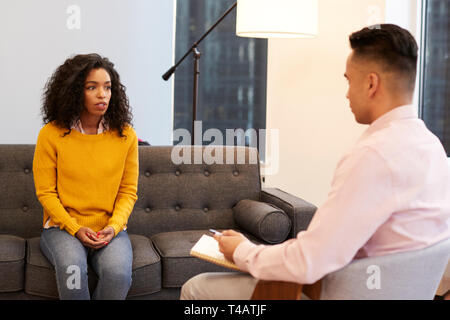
[[408, 111], [101, 127]]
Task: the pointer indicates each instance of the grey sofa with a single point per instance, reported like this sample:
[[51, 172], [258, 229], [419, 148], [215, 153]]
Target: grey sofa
[[177, 204]]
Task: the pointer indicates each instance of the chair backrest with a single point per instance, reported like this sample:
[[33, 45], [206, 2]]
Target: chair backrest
[[410, 275]]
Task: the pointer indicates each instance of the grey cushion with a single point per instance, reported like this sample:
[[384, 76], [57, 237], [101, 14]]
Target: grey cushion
[[146, 267], [146, 279], [263, 220], [300, 212], [12, 262], [173, 197], [178, 265], [20, 211]]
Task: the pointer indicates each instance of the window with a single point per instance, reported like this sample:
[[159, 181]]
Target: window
[[435, 67], [232, 81]]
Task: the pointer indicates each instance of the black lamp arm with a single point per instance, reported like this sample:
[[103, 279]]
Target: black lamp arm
[[169, 72]]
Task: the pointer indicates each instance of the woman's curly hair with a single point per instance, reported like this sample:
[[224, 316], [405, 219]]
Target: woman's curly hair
[[63, 98]]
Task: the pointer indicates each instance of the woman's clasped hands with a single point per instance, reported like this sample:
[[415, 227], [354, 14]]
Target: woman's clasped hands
[[91, 239]]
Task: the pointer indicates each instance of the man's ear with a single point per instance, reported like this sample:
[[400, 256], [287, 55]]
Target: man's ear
[[373, 84]]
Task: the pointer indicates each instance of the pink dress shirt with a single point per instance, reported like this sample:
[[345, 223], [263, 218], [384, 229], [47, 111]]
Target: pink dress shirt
[[389, 193]]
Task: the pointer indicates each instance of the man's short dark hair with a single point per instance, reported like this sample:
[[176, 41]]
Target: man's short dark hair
[[392, 46]]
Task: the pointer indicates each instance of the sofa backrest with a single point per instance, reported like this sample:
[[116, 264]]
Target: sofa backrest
[[195, 194], [20, 211], [172, 196]]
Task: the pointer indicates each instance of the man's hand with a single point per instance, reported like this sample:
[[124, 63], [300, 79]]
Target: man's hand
[[89, 239], [228, 242]]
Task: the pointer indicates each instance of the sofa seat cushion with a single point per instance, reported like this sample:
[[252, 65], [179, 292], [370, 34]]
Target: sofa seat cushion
[[178, 265], [146, 276], [12, 263], [146, 267]]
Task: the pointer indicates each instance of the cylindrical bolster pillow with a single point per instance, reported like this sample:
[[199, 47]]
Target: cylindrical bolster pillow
[[263, 220]]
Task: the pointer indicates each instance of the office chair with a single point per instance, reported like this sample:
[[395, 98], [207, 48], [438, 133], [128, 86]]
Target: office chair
[[410, 275]]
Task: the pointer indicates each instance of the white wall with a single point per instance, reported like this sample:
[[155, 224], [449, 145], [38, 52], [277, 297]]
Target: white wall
[[407, 14], [306, 93], [37, 36], [306, 98]]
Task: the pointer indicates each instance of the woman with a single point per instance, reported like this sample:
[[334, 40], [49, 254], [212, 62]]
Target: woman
[[85, 172]]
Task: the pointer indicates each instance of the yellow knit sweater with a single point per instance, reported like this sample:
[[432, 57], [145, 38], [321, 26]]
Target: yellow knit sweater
[[86, 180]]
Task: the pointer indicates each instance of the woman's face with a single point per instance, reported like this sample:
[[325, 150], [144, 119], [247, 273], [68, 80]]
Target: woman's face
[[97, 92]]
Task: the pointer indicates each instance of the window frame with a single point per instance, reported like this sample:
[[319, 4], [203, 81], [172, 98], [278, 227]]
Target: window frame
[[202, 94], [422, 61]]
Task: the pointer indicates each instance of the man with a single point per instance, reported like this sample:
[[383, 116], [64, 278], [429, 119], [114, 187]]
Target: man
[[390, 193]]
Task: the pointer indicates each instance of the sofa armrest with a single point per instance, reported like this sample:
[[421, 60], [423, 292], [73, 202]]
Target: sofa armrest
[[298, 210]]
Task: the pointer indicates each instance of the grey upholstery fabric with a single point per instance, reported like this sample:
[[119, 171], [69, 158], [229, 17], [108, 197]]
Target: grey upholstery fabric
[[20, 295], [400, 275], [299, 211], [263, 220], [178, 265], [12, 263], [185, 198], [189, 196], [146, 276], [20, 211]]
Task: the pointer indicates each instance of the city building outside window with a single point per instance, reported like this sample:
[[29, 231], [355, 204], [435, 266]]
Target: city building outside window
[[232, 80], [434, 86]]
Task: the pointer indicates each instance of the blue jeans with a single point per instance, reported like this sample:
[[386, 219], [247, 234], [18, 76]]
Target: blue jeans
[[112, 264]]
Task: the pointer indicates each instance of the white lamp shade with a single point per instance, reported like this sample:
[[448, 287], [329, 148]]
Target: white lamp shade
[[277, 18]]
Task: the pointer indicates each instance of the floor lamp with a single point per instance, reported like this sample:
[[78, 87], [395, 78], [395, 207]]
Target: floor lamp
[[258, 19]]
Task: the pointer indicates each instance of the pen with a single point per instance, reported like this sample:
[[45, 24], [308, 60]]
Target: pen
[[215, 232]]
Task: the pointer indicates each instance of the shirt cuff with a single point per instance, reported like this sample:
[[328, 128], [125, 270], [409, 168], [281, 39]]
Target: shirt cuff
[[241, 253]]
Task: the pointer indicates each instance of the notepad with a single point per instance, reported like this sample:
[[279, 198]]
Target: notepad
[[207, 248]]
